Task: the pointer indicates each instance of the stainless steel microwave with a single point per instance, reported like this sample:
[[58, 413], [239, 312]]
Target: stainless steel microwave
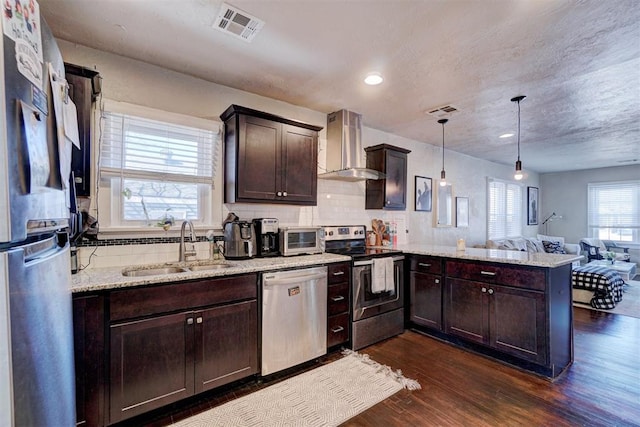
[[301, 240]]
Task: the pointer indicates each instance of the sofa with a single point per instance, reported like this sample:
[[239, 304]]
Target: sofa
[[599, 249], [541, 243]]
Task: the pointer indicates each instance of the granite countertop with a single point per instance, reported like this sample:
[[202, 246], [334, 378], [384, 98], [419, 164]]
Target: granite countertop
[[100, 279], [493, 255]]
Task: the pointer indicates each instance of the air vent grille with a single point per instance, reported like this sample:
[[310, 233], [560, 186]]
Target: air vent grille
[[443, 112], [237, 23]]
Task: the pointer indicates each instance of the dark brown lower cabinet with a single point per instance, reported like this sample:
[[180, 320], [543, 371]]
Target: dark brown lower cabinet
[[520, 314], [163, 359], [510, 320], [151, 364], [425, 299], [88, 341], [226, 344], [338, 303]]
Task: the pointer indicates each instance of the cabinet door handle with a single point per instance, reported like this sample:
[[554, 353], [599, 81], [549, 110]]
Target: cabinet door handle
[[198, 319], [437, 281], [424, 264], [488, 273], [279, 194], [490, 291], [484, 289], [338, 298], [284, 193], [337, 329], [388, 202], [338, 273], [190, 321]]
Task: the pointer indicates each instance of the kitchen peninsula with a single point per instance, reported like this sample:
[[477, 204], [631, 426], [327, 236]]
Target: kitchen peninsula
[[510, 305]]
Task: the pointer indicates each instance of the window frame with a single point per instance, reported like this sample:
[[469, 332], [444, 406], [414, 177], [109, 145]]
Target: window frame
[[597, 222], [109, 204]]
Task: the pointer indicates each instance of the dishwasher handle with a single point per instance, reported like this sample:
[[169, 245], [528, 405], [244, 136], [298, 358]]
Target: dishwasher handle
[[274, 281]]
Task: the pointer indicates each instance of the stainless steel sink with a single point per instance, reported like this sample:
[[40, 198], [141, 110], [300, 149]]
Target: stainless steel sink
[[153, 271], [206, 267]]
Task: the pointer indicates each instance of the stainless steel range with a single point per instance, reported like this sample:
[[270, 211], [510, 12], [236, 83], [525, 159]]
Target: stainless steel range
[[377, 297]]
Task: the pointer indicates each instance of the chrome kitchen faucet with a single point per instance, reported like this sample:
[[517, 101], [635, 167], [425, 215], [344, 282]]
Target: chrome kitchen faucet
[[187, 252]]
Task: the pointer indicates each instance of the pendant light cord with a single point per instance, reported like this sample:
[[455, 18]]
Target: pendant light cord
[[442, 122], [443, 145], [518, 129]]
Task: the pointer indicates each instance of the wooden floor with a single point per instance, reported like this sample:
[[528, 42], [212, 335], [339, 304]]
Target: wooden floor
[[601, 388]]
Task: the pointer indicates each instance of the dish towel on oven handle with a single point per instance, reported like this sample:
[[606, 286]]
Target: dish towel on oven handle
[[382, 279]]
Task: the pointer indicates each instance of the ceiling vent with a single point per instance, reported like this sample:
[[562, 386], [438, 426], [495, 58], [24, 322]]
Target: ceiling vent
[[445, 111], [237, 23]]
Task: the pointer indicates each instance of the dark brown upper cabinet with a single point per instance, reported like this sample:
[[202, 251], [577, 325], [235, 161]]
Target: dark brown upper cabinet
[[84, 87], [389, 193], [269, 159]]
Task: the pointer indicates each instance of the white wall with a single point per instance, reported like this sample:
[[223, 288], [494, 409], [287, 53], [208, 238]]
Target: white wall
[[565, 193], [338, 202]]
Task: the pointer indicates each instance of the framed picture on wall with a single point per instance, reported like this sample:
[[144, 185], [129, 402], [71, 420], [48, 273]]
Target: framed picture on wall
[[423, 194], [532, 206], [462, 211]]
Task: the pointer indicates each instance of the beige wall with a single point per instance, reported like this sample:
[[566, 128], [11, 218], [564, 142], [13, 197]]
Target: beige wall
[[338, 202]]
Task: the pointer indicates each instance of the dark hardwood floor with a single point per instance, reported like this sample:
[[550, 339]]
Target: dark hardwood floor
[[459, 388]]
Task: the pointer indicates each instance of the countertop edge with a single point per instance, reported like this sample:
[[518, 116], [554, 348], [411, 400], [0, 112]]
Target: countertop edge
[[545, 260], [110, 278]]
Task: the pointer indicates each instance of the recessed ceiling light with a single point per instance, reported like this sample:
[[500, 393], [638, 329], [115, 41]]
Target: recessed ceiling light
[[373, 79], [506, 135]]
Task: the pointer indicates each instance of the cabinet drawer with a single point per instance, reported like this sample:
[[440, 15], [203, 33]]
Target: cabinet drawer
[[338, 272], [144, 301], [426, 264], [337, 329], [519, 277], [338, 299]]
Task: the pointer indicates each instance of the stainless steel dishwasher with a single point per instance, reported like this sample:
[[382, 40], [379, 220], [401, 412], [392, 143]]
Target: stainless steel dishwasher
[[294, 317]]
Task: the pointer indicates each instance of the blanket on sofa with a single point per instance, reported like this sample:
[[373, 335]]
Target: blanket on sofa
[[605, 283]]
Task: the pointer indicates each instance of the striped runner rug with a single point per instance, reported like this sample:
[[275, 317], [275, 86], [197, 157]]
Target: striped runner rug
[[325, 396]]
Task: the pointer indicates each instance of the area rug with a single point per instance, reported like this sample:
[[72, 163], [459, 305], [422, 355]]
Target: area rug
[[630, 304], [325, 396]]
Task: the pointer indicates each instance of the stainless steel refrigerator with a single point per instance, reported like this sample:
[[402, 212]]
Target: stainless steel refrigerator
[[37, 383]]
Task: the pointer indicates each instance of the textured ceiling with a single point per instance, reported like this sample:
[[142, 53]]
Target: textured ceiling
[[578, 63]]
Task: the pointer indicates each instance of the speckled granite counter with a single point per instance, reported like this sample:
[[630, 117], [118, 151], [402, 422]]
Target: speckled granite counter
[[493, 255], [100, 279]]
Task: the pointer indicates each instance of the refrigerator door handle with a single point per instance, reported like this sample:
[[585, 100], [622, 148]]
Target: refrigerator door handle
[[42, 249]]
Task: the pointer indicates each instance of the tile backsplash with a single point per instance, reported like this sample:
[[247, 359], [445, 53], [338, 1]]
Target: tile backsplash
[[339, 203]]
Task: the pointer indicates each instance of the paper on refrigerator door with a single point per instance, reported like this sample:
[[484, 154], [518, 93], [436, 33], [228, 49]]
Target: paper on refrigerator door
[[36, 137], [71, 122], [60, 95]]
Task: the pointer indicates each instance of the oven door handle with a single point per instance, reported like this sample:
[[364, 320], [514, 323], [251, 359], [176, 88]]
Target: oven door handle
[[370, 261], [363, 309]]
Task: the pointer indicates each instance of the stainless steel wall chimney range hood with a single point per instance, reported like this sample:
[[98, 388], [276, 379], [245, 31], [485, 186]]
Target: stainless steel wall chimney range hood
[[344, 148]]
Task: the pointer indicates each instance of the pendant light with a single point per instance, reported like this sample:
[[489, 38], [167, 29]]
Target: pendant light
[[443, 180], [518, 175]]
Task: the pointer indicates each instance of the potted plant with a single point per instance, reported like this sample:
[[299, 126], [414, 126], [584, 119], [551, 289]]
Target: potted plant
[[610, 256]]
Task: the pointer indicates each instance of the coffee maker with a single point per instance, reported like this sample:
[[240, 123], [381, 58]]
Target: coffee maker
[[267, 236], [239, 240]]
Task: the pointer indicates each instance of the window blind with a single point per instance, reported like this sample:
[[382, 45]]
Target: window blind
[[504, 216], [141, 148], [613, 211]]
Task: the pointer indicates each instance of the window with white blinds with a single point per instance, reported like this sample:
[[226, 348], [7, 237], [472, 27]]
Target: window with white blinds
[[614, 211], [157, 167], [504, 209]]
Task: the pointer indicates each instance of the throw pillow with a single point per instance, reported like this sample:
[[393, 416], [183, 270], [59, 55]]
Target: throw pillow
[[534, 245], [551, 238], [553, 247]]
